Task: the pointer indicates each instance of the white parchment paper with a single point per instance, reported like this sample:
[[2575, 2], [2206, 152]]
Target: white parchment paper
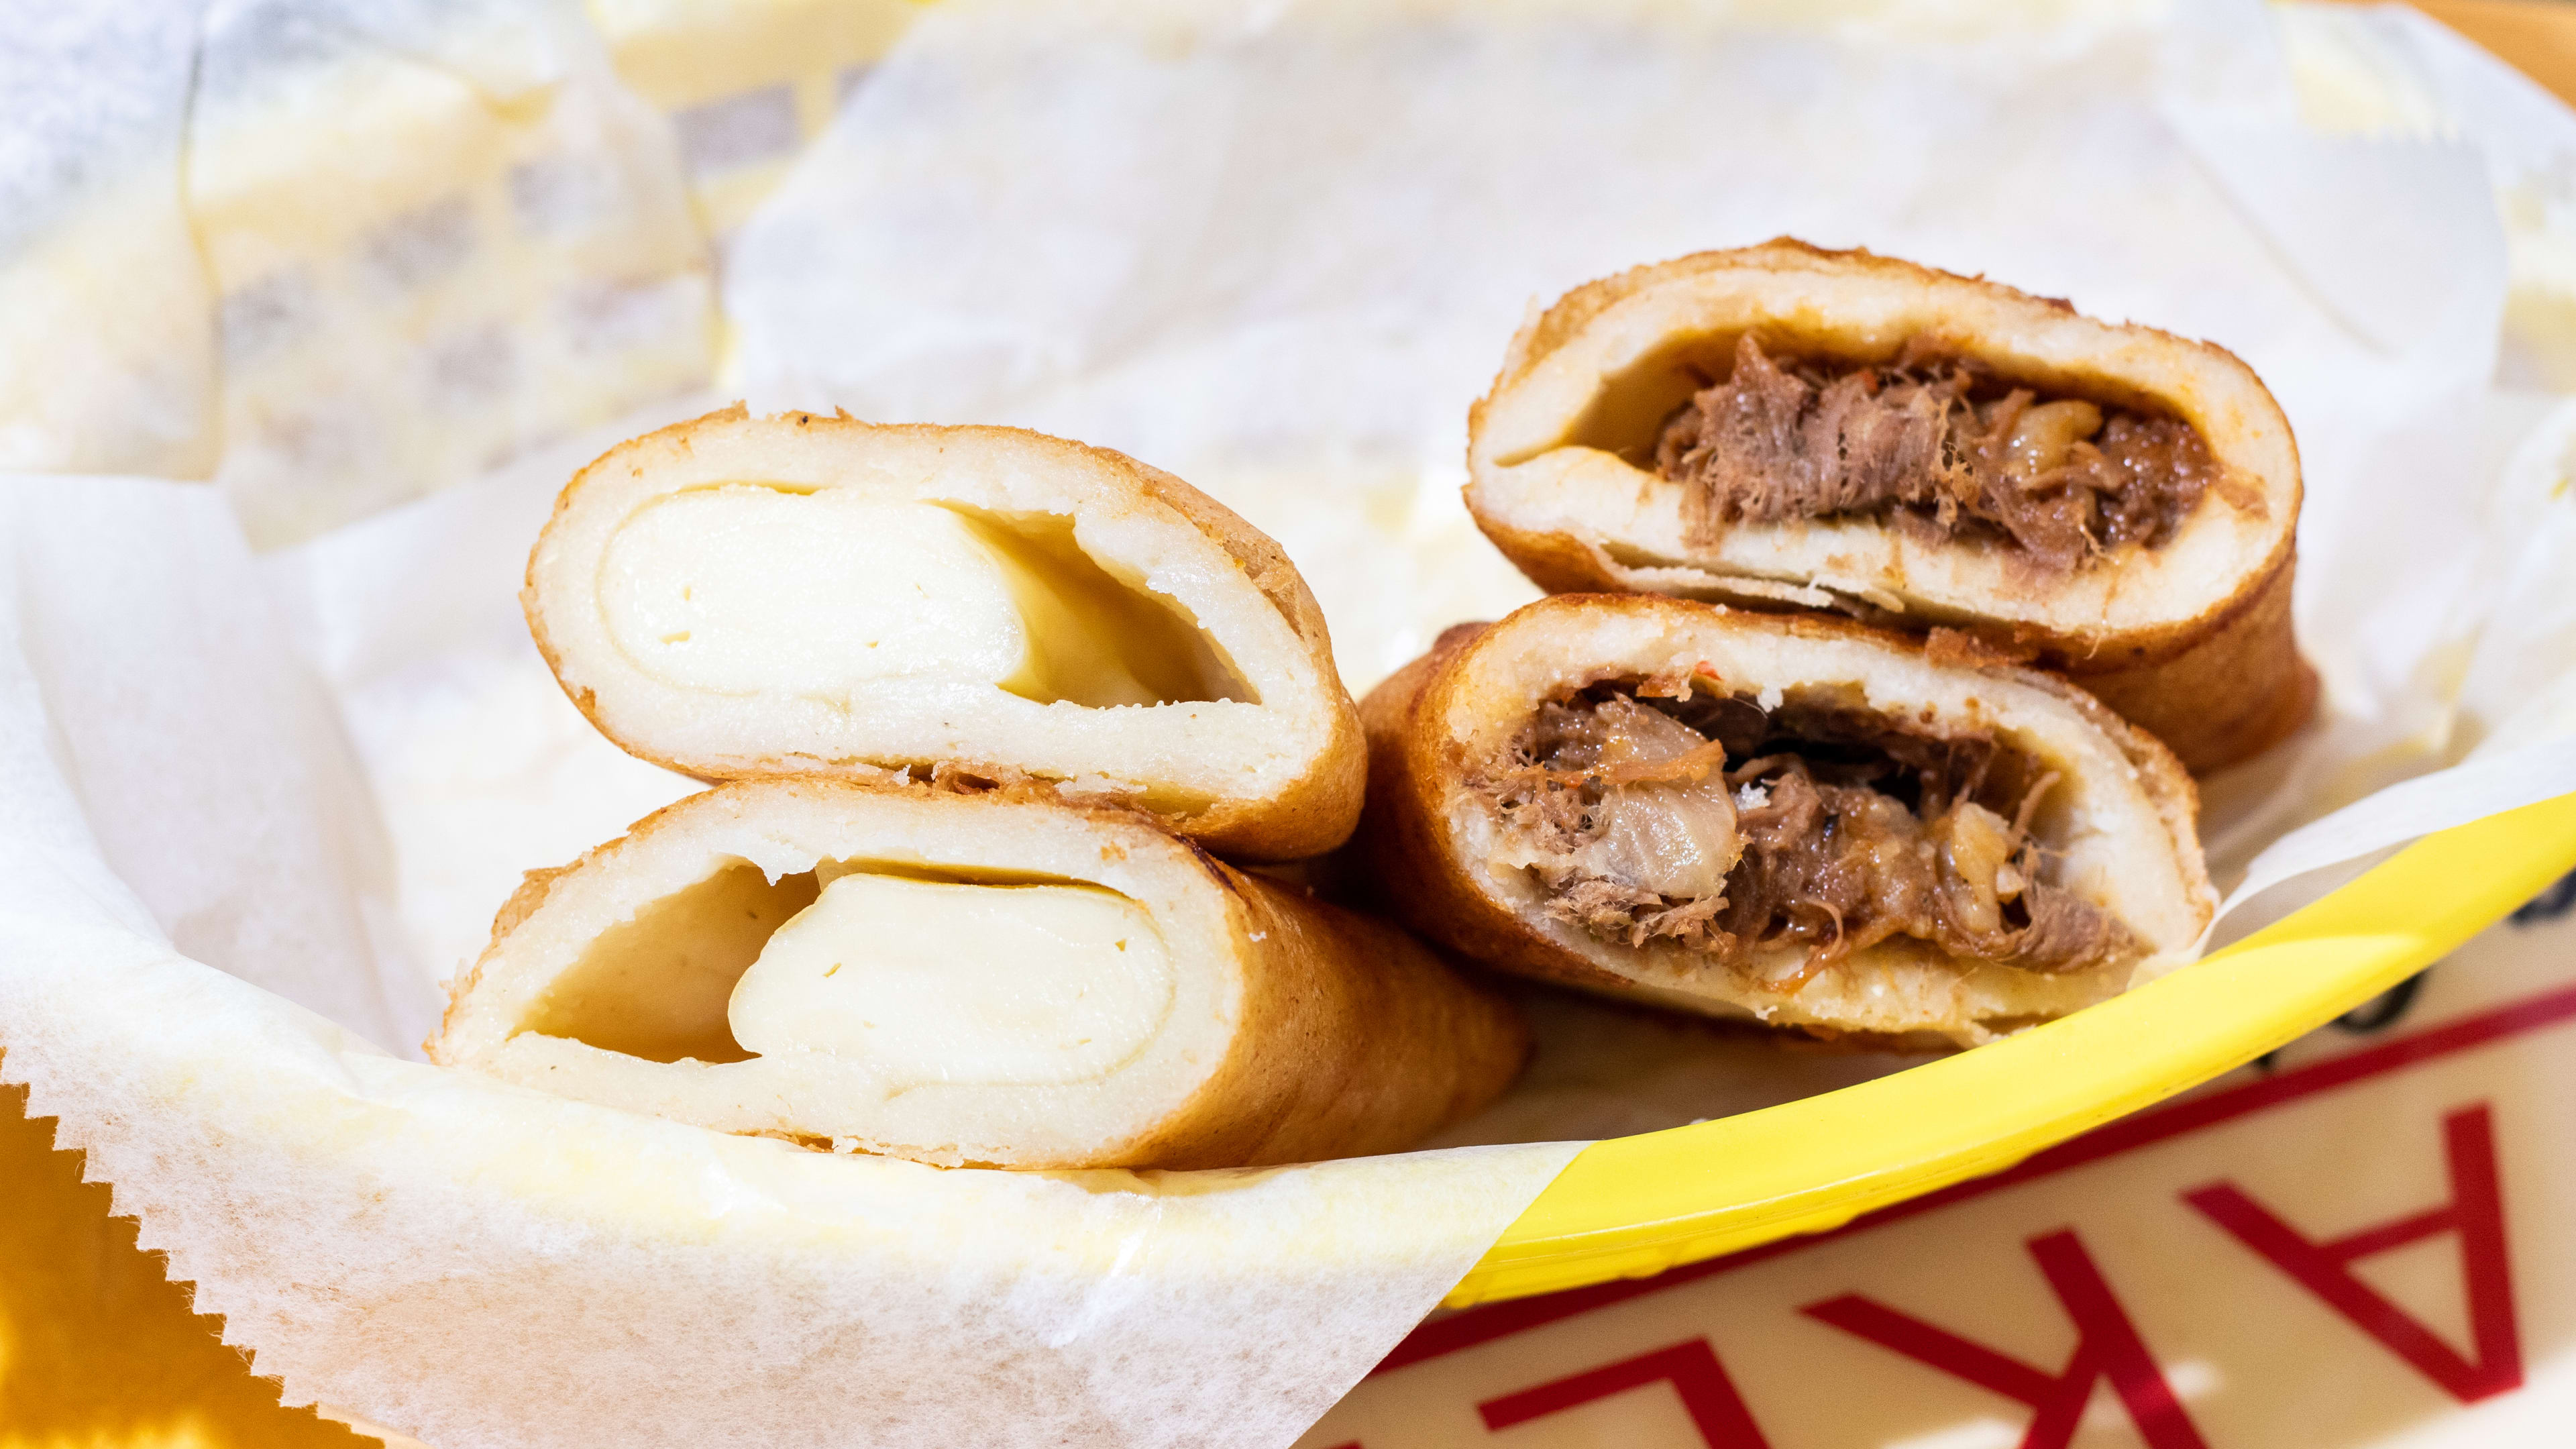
[[1277, 249], [252, 807], [482, 1266]]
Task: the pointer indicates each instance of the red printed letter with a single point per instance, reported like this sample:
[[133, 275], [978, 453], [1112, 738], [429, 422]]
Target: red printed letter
[[2106, 1344], [2475, 1212], [1691, 1368]]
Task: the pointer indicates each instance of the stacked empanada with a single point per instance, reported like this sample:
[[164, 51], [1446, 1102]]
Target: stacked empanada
[[1836, 539], [984, 701], [1785, 428], [1795, 819]]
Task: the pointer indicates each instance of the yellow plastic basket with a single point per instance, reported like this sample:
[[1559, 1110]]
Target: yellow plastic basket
[[1633, 1206]]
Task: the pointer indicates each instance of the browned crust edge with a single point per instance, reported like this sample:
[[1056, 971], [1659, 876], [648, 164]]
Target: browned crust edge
[[1412, 866], [1368, 1044], [2219, 687], [2239, 690], [1310, 815], [1360, 1040]]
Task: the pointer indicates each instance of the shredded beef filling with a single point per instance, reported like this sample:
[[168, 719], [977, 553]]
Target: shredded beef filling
[[1934, 442], [1839, 829]]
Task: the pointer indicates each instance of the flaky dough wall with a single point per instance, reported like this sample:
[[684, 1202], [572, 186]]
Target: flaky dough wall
[[1329, 1034], [2216, 676], [1414, 860]]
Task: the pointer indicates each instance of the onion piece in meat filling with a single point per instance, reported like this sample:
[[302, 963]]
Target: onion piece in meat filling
[[1841, 830], [1800, 820], [796, 596], [1934, 442], [995, 977], [1783, 427]]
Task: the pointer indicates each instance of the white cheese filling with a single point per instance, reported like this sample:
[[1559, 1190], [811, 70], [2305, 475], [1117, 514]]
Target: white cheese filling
[[747, 588], [929, 981]]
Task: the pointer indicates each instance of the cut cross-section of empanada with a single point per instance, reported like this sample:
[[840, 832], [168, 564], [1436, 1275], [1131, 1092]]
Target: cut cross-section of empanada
[[742, 597], [1782, 427], [995, 978], [1797, 819]]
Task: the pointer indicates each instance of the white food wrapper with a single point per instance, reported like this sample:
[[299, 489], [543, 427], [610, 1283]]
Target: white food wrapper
[[479, 1265], [333, 254], [1275, 249], [107, 328], [255, 808]]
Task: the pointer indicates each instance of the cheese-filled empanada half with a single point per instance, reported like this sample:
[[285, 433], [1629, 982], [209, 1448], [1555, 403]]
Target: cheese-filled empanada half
[[1000, 979], [742, 597], [1793, 818], [1781, 427]]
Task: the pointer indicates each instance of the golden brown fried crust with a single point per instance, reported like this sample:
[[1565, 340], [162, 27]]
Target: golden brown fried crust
[[1318, 811], [1310, 815], [2218, 687], [2238, 690], [1367, 1043], [1410, 866], [1356, 1038], [1561, 322], [1414, 766]]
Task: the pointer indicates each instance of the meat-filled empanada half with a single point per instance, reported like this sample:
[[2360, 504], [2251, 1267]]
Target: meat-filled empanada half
[[1793, 818], [741, 597], [1781, 427], [1000, 979]]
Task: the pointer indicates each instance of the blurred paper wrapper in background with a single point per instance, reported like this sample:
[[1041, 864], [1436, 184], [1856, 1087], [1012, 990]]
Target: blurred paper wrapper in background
[[399, 245], [384, 276]]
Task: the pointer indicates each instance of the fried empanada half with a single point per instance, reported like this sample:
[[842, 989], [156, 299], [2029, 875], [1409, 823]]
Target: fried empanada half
[[1000, 979], [740, 597], [1631, 443], [1796, 819]]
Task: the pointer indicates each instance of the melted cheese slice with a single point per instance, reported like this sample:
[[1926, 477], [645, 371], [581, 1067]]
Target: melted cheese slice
[[747, 588], [936, 982]]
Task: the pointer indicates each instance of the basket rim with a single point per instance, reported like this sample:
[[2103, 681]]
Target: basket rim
[[1629, 1207]]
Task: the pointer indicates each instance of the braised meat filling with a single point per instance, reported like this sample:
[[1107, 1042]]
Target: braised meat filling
[[1650, 812], [1937, 445]]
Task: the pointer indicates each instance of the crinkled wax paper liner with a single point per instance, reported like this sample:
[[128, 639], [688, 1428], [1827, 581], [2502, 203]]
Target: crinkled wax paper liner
[[333, 254], [482, 1266], [1279, 247]]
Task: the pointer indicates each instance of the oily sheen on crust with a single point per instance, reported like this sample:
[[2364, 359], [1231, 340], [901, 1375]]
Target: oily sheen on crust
[[695, 969], [2114, 825], [2187, 636], [740, 597]]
